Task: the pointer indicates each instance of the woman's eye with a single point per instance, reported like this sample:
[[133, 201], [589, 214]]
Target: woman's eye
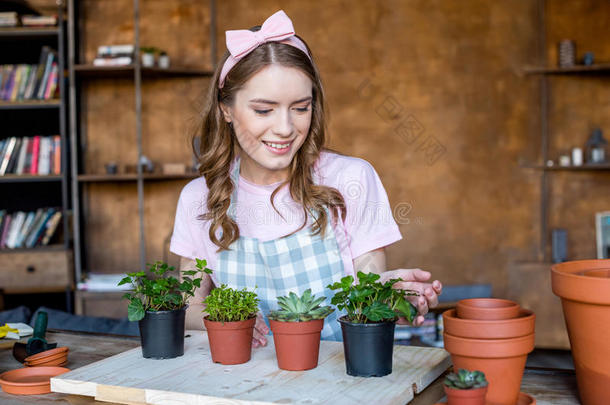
[[303, 109], [262, 112]]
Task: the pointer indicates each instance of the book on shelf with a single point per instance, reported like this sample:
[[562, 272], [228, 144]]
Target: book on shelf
[[120, 61], [114, 55], [28, 229], [31, 81], [100, 282], [38, 155], [8, 19], [28, 20]]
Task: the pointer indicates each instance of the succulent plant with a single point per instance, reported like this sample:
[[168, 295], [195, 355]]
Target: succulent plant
[[465, 380], [300, 309]]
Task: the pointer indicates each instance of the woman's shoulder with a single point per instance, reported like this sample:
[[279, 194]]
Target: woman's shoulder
[[334, 165], [194, 190]]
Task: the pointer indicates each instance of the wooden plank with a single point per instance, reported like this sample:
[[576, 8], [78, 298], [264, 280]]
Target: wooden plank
[[194, 378]]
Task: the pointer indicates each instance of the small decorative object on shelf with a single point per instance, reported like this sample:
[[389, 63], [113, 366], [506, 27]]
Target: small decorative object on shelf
[[148, 56], [564, 160], [550, 163], [111, 168], [596, 147], [566, 53], [163, 60], [159, 305], [588, 58], [577, 156], [173, 168]]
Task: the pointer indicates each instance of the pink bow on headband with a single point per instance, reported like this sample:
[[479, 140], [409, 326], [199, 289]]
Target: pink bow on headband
[[240, 43]]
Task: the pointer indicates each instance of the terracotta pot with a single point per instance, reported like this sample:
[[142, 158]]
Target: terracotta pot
[[502, 361], [487, 309], [465, 397], [297, 344], [522, 325], [230, 342], [584, 289]]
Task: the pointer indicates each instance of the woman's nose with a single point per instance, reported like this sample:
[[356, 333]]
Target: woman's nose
[[283, 124]]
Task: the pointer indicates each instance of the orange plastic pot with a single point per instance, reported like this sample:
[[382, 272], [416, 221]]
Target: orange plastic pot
[[465, 397], [230, 342], [584, 289], [487, 309], [502, 361], [297, 344], [522, 325]]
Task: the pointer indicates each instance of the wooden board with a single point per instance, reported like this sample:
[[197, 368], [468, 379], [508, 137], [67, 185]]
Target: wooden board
[[193, 378]]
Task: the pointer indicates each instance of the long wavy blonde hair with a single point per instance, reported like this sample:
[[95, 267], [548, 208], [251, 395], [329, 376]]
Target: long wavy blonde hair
[[218, 145]]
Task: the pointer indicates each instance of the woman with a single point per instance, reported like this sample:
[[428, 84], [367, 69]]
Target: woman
[[274, 210]]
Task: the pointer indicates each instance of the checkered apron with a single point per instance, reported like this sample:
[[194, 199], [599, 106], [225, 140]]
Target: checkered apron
[[276, 267]]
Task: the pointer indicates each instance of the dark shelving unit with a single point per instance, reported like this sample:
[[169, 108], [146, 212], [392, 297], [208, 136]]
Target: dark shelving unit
[[599, 68], [90, 178], [28, 192]]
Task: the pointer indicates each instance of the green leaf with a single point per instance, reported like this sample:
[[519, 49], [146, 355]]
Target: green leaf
[[135, 310], [406, 309], [378, 312]]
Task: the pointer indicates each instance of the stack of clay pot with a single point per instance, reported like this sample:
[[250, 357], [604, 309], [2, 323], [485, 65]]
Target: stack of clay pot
[[493, 336]]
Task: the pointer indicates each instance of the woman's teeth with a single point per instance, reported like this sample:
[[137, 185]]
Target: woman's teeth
[[277, 145]]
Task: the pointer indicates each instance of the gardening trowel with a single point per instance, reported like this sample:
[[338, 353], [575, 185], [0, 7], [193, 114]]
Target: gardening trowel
[[37, 342]]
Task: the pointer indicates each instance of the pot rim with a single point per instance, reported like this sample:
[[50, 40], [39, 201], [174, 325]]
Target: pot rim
[[524, 316], [167, 311], [296, 328], [490, 348], [344, 321], [568, 284]]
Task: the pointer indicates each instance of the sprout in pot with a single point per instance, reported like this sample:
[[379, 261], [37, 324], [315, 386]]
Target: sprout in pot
[[368, 328], [148, 55], [159, 305], [465, 387], [230, 323], [296, 330]]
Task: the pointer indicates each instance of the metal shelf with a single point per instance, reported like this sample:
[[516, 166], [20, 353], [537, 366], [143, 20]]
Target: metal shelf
[[602, 68], [29, 178], [87, 70], [28, 32], [583, 168], [99, 178], [29, 104]]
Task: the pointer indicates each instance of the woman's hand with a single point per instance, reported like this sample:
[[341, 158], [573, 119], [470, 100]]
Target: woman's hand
[[260, 330], [415, 279]]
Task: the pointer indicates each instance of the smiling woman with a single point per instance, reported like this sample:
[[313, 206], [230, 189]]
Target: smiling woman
[[263, 153]]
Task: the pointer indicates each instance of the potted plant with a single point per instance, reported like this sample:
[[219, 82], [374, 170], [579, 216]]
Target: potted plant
[[148, 55], [163, 61], [230, 319], [368, 328], [584, 289], [159, 305], [296, 328], [465, 388]]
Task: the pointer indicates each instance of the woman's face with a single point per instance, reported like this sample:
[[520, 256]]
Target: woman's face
[[271, 116]]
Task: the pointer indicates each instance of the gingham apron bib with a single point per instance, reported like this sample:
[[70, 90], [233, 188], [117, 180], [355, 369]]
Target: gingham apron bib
[[279, 266]]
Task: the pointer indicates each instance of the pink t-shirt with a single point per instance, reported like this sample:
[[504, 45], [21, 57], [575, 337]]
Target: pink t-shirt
[[368, 225]]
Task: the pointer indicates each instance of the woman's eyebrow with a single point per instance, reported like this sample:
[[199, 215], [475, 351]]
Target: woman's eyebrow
[[264, 101]]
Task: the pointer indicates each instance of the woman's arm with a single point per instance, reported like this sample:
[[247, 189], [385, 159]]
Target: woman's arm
[[194, 316], [414, 279]]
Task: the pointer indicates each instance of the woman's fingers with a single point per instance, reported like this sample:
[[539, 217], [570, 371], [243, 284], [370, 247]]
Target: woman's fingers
[[260, 330]]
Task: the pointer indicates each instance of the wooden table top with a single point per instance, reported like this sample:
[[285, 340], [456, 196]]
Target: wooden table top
[[549, 387]]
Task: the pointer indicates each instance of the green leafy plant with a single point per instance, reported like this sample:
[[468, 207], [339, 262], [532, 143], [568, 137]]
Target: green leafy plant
[[371, 301], [162, 291], [149, 49], [225, 304], [465, 380], [300, 309]]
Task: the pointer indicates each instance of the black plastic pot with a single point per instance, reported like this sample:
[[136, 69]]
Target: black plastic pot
[[368, 348], [162, 334]]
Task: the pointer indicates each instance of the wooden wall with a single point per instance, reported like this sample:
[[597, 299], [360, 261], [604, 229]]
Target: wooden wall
[[432, 93]]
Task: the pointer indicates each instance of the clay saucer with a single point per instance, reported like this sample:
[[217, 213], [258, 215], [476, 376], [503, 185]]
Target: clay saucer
[[47, 353], [54, 362], [29, 380], [46, 359], [524, 399]]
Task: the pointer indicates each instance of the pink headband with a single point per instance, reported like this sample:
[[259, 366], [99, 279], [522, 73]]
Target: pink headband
[[277, 28]]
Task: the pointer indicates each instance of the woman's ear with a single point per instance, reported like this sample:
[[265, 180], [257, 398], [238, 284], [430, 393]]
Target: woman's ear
[[226, 112]]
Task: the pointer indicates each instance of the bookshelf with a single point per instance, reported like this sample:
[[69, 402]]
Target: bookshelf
[[38, 268], [117, 114]]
